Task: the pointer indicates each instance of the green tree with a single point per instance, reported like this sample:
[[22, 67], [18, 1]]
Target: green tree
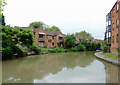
[[2, 4], [3, 20], [105, 49], [105, 36], [84, 33], [11, 37], [54, 29], [80, 47], [98, 45], [70, 41], [85, 42], [38, 24], [46, 27]]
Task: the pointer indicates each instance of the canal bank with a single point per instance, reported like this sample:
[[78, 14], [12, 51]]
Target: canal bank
[[110, 60]]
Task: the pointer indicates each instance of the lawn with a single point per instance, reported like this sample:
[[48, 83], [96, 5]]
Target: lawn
[[110, 55]]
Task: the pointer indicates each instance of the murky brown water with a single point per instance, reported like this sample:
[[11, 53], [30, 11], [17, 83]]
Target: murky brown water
[[72, 67]]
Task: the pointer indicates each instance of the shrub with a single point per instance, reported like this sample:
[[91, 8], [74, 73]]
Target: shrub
[[98, 45], [105, 49], [69, 41], [21, 52], [80, 47], [35, 48], [73, 49], [52, 50], [7, 53]]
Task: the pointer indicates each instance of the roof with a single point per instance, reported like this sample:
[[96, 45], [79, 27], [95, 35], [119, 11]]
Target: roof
[[102, 41], [47, 32], [84, 37], [114, 5], [22, 27], [52, 33]]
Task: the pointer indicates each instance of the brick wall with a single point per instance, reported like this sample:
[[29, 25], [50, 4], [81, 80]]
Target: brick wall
[[114, 31]]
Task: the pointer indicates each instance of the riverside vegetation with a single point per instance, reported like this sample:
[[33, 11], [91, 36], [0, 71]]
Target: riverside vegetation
[[19, 42]]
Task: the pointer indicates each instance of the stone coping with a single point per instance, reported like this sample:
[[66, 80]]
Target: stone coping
[[110, 60]]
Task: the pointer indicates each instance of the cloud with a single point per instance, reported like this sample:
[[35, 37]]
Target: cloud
[[70, 15]]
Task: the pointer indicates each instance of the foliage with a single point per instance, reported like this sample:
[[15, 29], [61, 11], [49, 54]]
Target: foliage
[[21, 52], [69, 41], [38, 24], [46, 27], [81, 47], [105, 49], [84, 33], [56, 50], [2, 4], [93, 46], [105, 36], [98, 45], [3, 20], [7, 53], [86, 43], [25, 36], [11, 37], [54, 29], [35, 48]]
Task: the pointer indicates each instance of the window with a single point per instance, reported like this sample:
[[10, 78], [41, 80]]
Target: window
[[113, 13], [50, 41], [113, 26], [117, 7], [53, 43], [117, 22], [117, 38], [52, 37], [107, 29], [113, 39]]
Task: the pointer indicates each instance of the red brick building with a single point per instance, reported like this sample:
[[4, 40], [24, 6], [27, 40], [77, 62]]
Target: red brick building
[[48, 39], [113, 28], [91, 39]]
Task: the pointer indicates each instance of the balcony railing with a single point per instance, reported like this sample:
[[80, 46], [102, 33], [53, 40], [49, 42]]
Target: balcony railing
[[41, 38]]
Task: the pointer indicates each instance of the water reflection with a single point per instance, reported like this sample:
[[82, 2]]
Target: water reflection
[[78, 67], [78, 74]]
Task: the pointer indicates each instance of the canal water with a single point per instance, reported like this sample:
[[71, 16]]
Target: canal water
[[71, 67]]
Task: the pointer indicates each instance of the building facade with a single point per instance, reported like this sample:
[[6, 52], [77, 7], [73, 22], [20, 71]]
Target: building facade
[[48, 39], [113, 28]]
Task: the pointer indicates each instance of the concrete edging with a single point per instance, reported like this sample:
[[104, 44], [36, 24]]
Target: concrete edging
[[113, 61]]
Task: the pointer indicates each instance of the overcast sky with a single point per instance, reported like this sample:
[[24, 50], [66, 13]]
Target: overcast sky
[[69, 15]]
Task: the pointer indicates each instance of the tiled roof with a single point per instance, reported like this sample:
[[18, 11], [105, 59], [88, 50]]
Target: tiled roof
[[22, 27], [52, 33], [84, 37], [102, 41], [47, 32]]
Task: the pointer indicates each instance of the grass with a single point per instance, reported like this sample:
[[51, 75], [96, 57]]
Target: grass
[[110, 55]]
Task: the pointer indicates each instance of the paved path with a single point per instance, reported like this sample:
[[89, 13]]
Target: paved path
[[110, 60]]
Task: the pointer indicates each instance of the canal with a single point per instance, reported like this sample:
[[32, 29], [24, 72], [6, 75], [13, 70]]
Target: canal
[[71, 67]]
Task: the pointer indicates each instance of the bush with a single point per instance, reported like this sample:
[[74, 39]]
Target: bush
[[73, 49], [7, 53], [98, 45], [105, 49], [80, 47], [52, 50], [35, 48], [69, 41], [56, 50], [21, 52]]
